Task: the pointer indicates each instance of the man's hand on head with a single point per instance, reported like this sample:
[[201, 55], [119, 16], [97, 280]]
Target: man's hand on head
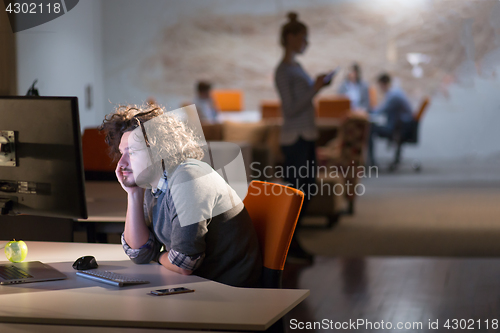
[[129, 189]]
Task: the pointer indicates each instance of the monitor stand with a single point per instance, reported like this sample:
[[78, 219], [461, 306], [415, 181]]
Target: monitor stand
[[5, 205]]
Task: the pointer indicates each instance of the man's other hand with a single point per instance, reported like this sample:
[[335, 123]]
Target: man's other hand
[[121, 174]]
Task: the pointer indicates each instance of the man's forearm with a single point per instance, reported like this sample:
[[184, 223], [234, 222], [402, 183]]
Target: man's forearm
[[136, 232], [168, 265]]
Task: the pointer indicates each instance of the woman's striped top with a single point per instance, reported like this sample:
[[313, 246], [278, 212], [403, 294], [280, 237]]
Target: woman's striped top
[[296, 90]]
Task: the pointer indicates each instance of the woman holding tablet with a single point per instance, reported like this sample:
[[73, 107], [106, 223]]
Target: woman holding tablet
[[298, 133]]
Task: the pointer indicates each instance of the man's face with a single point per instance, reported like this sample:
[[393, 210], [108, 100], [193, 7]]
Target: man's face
[[352, 76], [204, 94], [384, 87], [135, 159]]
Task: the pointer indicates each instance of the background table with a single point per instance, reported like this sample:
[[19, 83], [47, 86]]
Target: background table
[[82, 302], [106, 207]]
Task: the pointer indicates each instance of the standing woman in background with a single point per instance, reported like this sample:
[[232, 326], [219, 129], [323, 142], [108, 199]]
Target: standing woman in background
[[298, 133]]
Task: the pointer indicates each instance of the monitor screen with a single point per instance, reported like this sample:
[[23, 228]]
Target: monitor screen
[[41, 169]]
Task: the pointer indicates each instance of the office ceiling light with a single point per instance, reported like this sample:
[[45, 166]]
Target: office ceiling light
[[415, 60]]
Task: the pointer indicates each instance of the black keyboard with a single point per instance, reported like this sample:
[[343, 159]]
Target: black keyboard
[[10, 272], [110, 277]]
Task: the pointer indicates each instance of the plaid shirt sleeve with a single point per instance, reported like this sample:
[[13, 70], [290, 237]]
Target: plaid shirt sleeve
[[184, 261], [146, 253]]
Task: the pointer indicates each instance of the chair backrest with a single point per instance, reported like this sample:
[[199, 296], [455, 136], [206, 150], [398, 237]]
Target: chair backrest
[[425, 103], [270, 109], [354, 134], [95, 152], [228, 100], [333, 107], [212, 132], [274, 210]]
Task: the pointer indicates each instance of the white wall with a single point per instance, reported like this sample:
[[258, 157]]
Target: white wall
[[466, 124], [129, 29], [462, 126], [65, 55], [102, 43], [133, 31]]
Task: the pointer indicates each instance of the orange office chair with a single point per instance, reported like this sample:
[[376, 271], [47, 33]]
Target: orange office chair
[[422, 109], [228, 100], [345, 153], [372, 95], [409, 135], [97, 163], [274, 210], [270, 109], [333, 107]]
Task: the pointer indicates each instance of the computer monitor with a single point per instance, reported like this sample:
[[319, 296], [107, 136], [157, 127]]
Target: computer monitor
[[41, 169]]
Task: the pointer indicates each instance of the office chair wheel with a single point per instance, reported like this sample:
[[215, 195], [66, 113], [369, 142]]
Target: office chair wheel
[[416, 166]]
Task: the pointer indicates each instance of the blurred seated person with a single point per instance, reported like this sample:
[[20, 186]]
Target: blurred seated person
[[396, 110], [204, 103], [356, 89]]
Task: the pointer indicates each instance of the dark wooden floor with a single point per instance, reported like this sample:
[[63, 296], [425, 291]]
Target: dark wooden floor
[[398, 289]]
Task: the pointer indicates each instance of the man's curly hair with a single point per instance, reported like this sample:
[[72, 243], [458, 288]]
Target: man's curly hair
[[169, 138]]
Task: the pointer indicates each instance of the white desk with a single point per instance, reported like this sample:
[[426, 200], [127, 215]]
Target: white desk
[[81, 302], [246, 116], [25, 328]]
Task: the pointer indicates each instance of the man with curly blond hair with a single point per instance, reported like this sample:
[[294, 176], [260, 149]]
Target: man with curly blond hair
[[188, 219]]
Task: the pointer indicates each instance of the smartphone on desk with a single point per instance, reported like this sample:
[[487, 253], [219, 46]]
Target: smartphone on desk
[[171, 291]]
